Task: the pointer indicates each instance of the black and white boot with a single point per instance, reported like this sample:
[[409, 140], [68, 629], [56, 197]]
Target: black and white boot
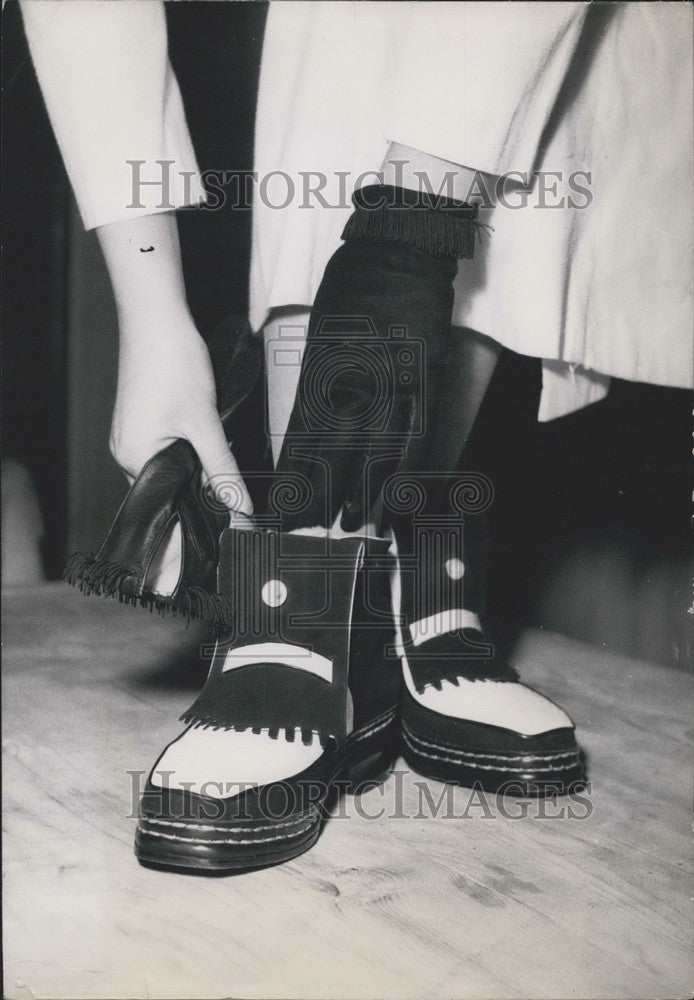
[[296, 700], [466, 716]]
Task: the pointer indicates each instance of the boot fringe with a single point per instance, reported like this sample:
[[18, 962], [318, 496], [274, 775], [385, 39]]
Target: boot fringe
[[288, 731], [215, 609], [435, 226], [98, 576], [102, 578], [191, 604], [501, 674]]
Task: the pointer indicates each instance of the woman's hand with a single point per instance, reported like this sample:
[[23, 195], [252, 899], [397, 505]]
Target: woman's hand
[[166, 390], [166, 387]]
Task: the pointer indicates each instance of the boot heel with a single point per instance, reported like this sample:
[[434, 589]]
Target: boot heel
[[120, 567], [375, 758], [367, 771], [166, 491]]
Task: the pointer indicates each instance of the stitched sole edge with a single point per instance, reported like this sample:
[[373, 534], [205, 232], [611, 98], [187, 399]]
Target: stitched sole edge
[[517, 775], [161, 842]]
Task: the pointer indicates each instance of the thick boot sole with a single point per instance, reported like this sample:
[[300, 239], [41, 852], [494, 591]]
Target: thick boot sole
[[528, 775], [239, 846]]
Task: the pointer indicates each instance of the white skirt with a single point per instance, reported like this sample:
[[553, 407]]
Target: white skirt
[[589, 267]]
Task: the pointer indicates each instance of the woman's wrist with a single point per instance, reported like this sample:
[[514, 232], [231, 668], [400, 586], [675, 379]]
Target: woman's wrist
[[144, 263], [154, 320]]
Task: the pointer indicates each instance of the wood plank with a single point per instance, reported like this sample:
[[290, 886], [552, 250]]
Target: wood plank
[[466, 903]]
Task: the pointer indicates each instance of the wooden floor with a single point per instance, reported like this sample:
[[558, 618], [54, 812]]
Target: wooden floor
[[467, 904]]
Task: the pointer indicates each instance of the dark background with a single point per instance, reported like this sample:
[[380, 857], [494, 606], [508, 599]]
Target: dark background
[[590, 525]]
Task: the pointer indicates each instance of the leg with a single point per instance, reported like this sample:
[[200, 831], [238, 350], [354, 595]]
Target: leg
[[285, 338], [466, 717], [470, 362]]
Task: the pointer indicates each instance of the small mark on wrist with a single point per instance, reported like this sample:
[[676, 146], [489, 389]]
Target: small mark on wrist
[[146, 249]]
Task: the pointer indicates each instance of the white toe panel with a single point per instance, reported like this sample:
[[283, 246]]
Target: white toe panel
[[216, 762], [497, 703]]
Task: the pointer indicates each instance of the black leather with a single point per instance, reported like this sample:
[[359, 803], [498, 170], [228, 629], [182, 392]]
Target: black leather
[[292, 795], [329, 582], [319, 576], [467, 654], [337, 605], [253, 827], [479, 736], [431, 533], [375, 673], [494, 758], [375, 328], [170, 489]]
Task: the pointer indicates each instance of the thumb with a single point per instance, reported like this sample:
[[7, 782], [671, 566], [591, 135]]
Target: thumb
[[220, 469]]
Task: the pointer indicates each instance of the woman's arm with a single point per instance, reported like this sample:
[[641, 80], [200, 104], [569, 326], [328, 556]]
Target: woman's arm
[[112, 97], [166, 386]]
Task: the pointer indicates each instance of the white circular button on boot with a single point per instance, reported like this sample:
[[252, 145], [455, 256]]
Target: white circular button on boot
[[274, 593], [455, 568]]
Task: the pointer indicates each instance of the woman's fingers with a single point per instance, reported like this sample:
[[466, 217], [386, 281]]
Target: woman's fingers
[[219, 467]]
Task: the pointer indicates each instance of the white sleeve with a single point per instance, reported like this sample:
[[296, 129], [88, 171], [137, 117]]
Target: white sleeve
[[112, 97]]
